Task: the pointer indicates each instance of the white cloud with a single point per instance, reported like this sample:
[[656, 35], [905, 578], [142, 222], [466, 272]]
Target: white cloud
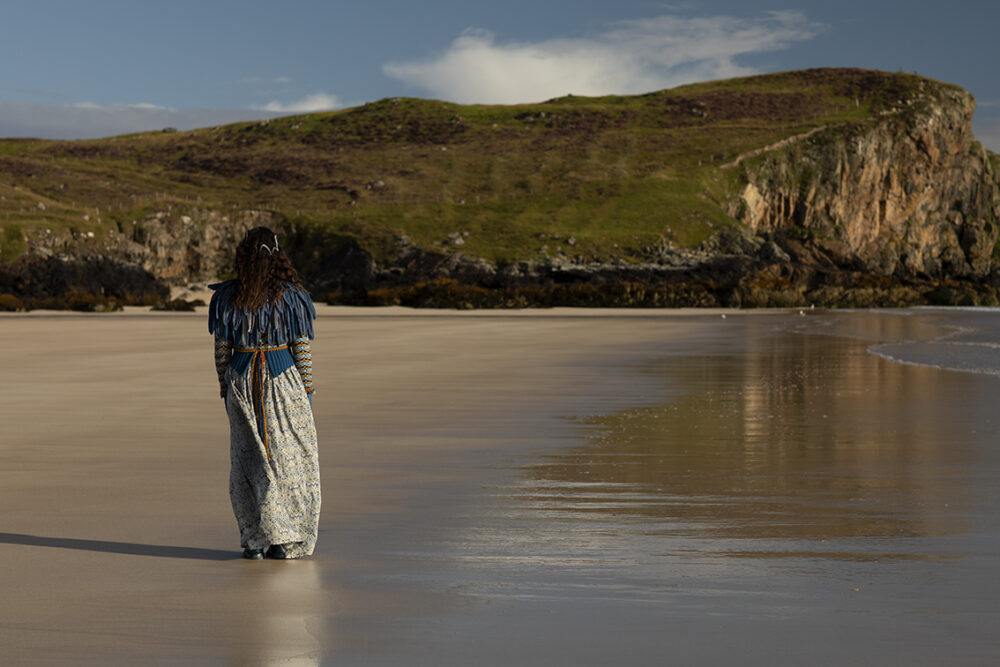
[[265, 80], [145, 106], [631, 57], [87, 120], [151, 107], [314, 102]]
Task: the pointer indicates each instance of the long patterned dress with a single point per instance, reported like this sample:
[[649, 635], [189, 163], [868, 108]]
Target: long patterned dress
[[264, 364]]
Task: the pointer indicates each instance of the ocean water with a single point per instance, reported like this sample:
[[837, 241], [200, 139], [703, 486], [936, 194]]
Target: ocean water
[[965, 340]]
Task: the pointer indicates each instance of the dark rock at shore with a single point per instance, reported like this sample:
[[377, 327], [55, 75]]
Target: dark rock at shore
[[417, 278], [179, 305], [94, 283], [732, 281]]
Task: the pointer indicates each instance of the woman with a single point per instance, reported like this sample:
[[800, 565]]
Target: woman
[[262, 321]]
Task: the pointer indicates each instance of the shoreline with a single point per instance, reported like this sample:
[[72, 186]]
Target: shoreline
[[325, 310]]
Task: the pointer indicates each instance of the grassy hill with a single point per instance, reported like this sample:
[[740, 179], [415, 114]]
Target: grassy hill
[[598, 177]]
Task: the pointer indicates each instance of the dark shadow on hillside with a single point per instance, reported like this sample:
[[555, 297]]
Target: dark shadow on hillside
[[130, 548]]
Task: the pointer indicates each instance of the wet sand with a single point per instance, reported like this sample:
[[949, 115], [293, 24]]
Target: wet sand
[[541, 487]]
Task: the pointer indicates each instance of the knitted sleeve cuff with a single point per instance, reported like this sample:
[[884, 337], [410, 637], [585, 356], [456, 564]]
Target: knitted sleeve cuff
[[302, 355], [223, 355]]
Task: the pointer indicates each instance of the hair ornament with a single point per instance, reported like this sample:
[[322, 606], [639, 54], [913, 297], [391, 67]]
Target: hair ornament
[[270, 251]]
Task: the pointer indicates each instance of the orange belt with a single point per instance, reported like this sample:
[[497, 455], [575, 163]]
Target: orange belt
[[261, 349]]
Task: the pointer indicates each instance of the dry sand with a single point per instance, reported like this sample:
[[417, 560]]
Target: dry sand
[[476, 513]]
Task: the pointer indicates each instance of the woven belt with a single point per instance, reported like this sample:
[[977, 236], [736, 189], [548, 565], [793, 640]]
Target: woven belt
[[261, 349]]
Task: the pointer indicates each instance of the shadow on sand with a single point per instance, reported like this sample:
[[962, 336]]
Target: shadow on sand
[[130, 548]]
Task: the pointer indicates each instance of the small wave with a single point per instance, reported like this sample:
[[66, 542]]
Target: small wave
[[981, 358], [949, 309]]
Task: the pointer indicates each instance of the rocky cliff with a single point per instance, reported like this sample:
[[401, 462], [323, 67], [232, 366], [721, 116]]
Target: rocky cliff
[[908, 192], [132, 264], [899, 208]]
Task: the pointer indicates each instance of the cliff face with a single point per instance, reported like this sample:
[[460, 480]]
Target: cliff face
[[908, 193], [174, 247], [134, 264]]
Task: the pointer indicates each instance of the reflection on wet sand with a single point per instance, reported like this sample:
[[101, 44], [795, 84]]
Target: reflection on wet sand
[[799, 438], [282, 624]]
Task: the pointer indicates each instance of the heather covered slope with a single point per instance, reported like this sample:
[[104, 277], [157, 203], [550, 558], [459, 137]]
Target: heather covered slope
[[794, 169]]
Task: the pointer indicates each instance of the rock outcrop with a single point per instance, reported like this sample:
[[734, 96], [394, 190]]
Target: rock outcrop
[[908, 193], [174, 246], [135, 263], [94, 283]]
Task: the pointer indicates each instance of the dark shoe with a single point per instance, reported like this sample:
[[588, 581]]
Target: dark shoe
[[253, 554], [277, 551]]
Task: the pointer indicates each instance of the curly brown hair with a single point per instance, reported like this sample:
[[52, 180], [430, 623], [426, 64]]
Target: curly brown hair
[[263, 270]]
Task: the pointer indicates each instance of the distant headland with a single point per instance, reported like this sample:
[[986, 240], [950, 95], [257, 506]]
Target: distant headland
[[827, 187]]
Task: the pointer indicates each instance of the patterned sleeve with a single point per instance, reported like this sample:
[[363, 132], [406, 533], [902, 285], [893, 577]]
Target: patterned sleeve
[[223, 353], [302, 355]]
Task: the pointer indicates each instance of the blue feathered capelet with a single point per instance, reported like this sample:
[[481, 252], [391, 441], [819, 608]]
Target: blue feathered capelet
[[275, 323]]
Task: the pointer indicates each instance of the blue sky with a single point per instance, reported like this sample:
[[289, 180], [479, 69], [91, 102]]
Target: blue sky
[[75, 68]]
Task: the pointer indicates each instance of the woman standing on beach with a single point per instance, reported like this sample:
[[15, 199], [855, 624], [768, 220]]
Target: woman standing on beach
[[262, 321]]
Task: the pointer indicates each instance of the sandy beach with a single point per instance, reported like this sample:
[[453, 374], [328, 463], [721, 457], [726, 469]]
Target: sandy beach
[[533, 488]]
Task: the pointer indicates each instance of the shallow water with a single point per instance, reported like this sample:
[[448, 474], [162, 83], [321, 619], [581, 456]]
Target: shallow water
[[791, 488], [966, 340]]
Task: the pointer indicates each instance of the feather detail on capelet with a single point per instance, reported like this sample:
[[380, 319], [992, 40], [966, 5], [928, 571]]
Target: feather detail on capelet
[[275, 323]]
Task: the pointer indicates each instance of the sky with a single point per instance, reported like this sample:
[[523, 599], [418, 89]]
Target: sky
[[91, 68]]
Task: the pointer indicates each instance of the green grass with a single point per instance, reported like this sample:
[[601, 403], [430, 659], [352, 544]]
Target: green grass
[[13, 243]]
